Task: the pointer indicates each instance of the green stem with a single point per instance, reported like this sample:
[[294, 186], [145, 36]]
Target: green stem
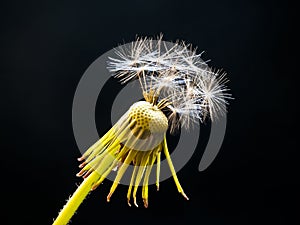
[[77, 198]]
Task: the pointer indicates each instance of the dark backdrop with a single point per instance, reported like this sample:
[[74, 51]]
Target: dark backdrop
[[47, 45]]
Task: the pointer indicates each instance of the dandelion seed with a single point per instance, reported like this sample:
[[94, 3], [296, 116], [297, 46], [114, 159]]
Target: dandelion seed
[[179, 89]]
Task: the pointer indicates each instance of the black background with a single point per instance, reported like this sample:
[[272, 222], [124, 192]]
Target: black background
[[47, 45]]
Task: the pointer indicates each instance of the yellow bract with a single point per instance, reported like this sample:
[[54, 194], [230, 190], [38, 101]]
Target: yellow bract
[[137, 140]]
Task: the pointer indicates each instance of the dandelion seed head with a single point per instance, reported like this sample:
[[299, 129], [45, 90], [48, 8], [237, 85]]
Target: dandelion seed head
[[174, 77]]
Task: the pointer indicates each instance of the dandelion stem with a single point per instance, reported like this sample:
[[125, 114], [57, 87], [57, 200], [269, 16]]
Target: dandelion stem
[[77, 198]]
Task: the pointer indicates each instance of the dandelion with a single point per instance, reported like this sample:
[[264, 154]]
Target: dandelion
[[179, 89]]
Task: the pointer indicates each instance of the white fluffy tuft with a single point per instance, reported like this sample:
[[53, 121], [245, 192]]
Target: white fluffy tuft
[[175, 73]]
